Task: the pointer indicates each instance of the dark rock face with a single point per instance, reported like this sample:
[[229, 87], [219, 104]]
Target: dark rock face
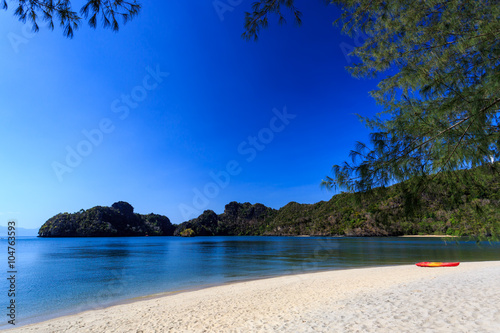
[[237, 219], [203, 225], [117, 220], [158, 225], [124, 208], [245, 218]]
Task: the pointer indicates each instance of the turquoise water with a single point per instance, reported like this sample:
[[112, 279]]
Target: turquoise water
[[57, 276]]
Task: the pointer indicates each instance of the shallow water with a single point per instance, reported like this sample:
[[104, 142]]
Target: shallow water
[[58, 276]]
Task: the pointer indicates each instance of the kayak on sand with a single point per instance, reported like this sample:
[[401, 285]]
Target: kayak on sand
[[437, 264]]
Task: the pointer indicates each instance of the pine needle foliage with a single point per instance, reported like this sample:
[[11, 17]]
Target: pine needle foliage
[[61, 12], [439, 61], [262, 9]]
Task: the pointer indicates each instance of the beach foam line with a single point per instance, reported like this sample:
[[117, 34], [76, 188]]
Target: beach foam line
[[381, 299]]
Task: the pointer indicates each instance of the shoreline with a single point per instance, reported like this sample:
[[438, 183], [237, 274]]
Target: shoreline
[[327, 300], [54, 316], [428, 236]]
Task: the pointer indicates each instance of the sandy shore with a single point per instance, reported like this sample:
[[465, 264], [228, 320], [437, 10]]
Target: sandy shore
[[387, 299]]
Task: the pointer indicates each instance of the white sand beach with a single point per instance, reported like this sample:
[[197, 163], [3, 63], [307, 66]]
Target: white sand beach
[[386, 299]]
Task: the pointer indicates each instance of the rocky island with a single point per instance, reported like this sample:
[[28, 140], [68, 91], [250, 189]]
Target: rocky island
[[117, 220]]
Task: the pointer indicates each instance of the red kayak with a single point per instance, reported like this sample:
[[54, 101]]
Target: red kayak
[[437, 264]]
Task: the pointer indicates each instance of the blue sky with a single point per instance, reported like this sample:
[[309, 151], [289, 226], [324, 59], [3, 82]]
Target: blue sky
[[175, 113]]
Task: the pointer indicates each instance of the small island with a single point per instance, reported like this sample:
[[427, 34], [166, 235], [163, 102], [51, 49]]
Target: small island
[[117, 220]]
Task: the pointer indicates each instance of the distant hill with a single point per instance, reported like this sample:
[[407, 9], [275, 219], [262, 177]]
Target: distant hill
[[465, 203], [117, 220]]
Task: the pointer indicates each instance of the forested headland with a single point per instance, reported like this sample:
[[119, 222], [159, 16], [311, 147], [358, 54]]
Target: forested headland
[[461, 203]]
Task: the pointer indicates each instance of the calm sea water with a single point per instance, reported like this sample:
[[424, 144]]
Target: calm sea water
[[57, 276]]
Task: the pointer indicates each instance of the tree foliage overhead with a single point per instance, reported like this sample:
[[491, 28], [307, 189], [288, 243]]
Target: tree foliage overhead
[[440, 91], [61, 12], [262, 9]]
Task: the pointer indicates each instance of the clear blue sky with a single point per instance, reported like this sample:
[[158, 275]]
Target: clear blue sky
[[96, 119]]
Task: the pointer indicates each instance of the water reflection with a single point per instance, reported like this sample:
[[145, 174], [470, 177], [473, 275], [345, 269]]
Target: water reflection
[[75, 274]]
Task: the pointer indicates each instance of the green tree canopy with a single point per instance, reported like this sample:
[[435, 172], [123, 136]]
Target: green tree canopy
[[440, 88], [61, 12]]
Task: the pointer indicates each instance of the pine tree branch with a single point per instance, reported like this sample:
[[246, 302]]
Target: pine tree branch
[[454, 149], [456, 124]]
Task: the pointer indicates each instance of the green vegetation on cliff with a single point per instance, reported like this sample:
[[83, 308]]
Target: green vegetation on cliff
[[187, 233]]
